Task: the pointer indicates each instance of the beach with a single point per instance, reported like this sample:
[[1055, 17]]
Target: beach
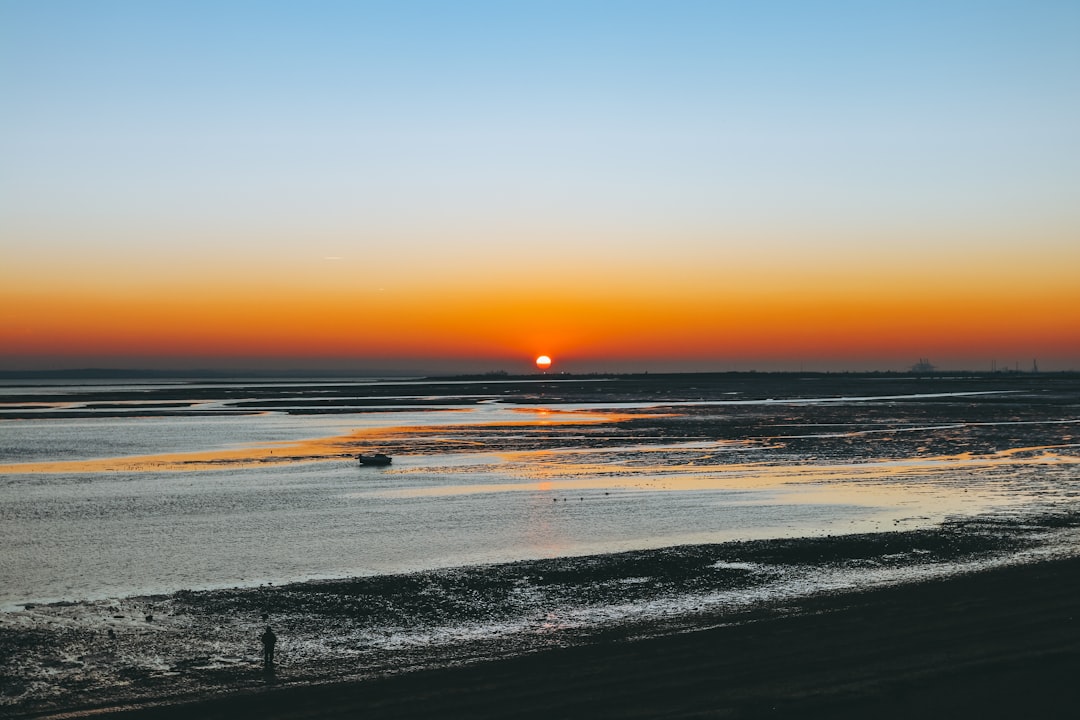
[[975, 614], [699, 546], [998, 643]]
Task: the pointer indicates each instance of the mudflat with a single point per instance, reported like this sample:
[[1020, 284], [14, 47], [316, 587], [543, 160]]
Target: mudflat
[[1001, 643], [780, 626]]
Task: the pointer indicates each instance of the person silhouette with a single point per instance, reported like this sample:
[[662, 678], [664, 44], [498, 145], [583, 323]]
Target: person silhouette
[[269, 639]]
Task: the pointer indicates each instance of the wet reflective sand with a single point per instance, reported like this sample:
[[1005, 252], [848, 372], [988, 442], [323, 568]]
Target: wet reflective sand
[[515, 516]]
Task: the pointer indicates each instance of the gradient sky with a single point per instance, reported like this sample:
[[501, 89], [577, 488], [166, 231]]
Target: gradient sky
[[448, 186]]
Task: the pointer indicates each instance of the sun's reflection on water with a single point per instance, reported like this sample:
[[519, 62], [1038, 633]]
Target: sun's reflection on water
[[442, 426], [911, 490]]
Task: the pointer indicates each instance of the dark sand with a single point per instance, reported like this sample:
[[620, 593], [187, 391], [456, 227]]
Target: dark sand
[[998, 644], [1003, 643]]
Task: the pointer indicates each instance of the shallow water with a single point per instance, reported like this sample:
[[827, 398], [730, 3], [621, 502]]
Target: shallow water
[[104, 505]]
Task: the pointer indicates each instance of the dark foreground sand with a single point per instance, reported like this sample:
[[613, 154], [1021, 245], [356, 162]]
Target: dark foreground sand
[[1003, 643]]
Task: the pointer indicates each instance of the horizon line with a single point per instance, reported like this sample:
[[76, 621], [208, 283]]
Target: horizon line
[[118, 373]]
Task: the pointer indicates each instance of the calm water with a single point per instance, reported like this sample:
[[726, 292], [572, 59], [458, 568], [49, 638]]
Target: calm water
[[473, 484]]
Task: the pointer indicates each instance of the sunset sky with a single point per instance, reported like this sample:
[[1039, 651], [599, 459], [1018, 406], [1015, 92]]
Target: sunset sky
[[462, 186]]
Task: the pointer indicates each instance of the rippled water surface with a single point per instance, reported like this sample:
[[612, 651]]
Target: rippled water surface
[[116, 490]]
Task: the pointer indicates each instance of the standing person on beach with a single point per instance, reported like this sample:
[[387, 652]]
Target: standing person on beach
[[269, 639]]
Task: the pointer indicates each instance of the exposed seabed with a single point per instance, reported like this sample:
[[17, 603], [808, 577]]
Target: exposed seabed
[[192, 645]]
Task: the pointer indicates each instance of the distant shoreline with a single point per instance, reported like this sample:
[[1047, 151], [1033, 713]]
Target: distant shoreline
[[392, 375]]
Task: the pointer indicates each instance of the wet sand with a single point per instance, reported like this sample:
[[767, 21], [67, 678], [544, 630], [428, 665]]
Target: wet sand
[[998, 643]]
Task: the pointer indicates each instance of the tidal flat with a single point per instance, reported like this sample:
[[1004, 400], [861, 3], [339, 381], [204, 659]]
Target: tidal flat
[[520, 517]]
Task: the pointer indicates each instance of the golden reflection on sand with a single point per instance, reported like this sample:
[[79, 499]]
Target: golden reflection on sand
[[286, 452], [313, 450], [547, 471]]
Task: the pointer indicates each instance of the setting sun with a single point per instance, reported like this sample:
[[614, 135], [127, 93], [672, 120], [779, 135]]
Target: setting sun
[[543, 362]]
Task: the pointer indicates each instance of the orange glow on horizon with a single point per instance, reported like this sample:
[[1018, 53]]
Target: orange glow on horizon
[[822, 315]]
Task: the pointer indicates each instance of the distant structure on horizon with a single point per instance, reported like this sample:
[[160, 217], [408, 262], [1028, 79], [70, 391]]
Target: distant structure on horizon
[[923, 366]]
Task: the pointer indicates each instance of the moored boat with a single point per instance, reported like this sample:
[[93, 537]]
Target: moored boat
[[374, 459]]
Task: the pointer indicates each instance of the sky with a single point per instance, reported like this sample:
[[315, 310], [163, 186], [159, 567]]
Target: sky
[[625, 186]]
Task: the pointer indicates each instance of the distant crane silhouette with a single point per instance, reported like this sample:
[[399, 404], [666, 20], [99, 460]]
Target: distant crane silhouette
[[923, 366]]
